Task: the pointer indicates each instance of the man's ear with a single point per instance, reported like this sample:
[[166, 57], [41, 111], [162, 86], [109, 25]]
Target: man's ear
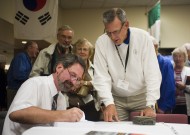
[[127, 24], [59, 67]]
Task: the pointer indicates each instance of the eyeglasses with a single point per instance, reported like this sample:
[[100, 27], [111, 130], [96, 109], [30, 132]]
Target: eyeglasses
[[83, 49], [178, 57], [115, 33], [73, 76], [69, 38]]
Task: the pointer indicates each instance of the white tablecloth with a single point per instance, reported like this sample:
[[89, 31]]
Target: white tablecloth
[[81, 128]]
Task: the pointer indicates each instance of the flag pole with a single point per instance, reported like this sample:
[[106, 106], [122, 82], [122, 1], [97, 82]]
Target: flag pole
[[156, 3], [159, 1]]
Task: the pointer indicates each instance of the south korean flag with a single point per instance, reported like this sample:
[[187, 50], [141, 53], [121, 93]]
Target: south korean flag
[[35, 19]]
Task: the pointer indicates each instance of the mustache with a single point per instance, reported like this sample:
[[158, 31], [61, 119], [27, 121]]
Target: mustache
[[65, 86], [65, 45]]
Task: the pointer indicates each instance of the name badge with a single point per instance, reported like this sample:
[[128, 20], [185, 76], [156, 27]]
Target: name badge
[[123, 84]]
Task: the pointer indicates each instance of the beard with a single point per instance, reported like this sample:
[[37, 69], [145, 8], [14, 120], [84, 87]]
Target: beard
[[65, 86], [65, 45]]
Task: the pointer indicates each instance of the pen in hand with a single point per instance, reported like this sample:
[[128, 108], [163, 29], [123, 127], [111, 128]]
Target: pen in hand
[[78, 104]]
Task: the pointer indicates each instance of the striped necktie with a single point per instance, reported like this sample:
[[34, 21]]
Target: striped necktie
[[54, 104]]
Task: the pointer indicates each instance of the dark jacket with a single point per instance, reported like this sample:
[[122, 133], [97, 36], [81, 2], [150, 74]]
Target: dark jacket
[[19, 70]]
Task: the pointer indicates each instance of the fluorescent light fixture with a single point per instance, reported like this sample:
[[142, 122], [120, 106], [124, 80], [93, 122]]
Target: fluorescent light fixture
[[24, 42], [7, 67]]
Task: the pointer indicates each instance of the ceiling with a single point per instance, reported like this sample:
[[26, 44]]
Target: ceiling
[[98, 4]]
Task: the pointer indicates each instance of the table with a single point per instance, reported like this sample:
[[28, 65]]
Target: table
[[81, 128]]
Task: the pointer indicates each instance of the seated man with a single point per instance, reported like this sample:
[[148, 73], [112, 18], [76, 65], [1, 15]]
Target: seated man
[[35, 101]]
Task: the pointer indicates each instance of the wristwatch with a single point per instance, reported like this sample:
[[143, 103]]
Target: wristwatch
[[151, 106], [86, 83]]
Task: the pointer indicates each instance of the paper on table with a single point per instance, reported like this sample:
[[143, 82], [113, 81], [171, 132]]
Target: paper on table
[[83, 118], [125, 127], [82, 126], [83, 123]]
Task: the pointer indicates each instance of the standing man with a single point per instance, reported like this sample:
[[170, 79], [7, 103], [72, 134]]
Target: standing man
[[127, 75], [39, 101], [47, 57], [20, 68], [166, 103]]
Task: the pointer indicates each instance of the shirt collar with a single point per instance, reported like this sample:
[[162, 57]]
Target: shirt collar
[[127, 40], [52, 85]]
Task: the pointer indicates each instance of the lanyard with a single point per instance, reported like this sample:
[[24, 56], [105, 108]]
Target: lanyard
[[126, 59]]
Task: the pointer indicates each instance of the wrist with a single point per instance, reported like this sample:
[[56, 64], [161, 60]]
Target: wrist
[[151, 107]]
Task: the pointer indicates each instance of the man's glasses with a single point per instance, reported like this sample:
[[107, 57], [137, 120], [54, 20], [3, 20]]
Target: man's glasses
[[69, 38], [115, 33], [73, 76]]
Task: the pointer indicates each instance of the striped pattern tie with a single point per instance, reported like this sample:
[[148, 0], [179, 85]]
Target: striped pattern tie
[[54, 104]]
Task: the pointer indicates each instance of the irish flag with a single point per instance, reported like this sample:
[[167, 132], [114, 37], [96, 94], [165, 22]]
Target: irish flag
[[154, 21]]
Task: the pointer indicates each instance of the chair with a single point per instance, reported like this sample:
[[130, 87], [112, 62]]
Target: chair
[[2, 119], [167, 118]]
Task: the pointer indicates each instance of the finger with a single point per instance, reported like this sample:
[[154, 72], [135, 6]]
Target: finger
[[105, 117], [141, 114], [79, 116], [153, 114], [116, 118], [110, 117]]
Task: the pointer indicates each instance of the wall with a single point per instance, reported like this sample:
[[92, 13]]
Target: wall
[[88, 22], [175, 25], [175, 20], [7, 10]]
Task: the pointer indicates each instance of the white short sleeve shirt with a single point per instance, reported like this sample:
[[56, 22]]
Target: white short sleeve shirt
[[36, 91]]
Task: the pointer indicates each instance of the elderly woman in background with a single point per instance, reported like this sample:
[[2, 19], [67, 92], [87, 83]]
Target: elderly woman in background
[[181, 74], [187, 47], [86, 97]]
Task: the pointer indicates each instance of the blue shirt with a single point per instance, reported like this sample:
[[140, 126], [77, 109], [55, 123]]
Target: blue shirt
[[167, 88], [19, 70]]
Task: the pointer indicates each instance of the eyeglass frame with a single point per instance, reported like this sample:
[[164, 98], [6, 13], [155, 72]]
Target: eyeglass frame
[[116, 32], [65, 37], [82, 49], [73, 77]]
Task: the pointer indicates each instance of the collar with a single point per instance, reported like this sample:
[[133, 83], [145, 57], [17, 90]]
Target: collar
[[52, 85], [90, 64], [127, 40]]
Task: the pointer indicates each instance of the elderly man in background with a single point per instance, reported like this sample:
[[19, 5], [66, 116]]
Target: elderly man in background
[[20, 69], [47, 57], [166, 103]]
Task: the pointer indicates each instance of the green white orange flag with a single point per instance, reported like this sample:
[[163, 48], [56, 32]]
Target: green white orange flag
[[154, 21]]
